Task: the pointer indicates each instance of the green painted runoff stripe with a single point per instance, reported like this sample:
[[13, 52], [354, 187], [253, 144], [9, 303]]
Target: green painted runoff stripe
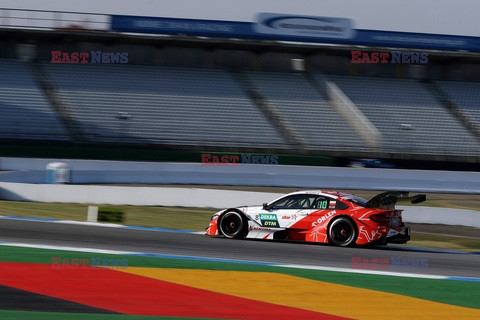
[[33, 315], [460, 293]]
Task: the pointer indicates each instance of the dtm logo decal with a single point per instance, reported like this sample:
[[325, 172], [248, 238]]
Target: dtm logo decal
[[269, 220], [323, 218]]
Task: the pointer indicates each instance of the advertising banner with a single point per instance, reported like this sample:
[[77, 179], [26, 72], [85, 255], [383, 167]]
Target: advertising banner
[[303, 26], [297, 28]]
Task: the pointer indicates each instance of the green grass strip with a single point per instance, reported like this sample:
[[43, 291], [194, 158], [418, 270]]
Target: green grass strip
[[149, 216], [460, 293], [34, 315]]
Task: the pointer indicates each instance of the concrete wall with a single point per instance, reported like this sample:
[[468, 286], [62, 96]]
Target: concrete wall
[[446, 216], [100, 172], [195, 197], [149, 196]]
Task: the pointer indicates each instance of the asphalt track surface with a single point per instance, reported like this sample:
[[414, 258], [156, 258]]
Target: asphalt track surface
[[186, 244]]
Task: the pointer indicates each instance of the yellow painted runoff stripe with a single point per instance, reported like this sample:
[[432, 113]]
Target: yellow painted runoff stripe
[[319, 296]]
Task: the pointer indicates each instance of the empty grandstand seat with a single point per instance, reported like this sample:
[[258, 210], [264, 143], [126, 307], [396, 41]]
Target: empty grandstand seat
[[168, 105], [24, 111], [408, 116], [305, 110], [466, 96]]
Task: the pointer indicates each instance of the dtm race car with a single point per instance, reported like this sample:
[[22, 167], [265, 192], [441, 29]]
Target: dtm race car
[[319, 216]]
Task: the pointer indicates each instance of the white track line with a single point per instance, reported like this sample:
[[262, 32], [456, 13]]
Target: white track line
[[363, 271], [66, 248], [296, 266]]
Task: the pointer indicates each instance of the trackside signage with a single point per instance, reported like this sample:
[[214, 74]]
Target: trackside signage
[[305, 26], [298, 28]]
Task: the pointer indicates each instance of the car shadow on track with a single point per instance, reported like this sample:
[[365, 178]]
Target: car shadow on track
[[372, 247]]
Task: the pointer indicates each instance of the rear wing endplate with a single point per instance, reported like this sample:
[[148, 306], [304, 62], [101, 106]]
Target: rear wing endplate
[[391, 198]]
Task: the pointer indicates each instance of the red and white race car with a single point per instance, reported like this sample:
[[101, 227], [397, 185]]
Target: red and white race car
[[319, 216]]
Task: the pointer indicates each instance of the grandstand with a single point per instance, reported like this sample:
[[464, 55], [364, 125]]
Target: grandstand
[[211, 107], [162, 105], [24, 111], [408, 115], [227, 95], [466, 96], [305, 109]]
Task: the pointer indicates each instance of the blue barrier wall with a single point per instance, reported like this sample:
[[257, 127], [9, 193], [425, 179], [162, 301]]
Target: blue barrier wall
[[91, 171]]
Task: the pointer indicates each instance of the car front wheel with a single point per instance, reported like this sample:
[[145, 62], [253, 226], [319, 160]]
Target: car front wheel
[[342, 232], [233, 225]]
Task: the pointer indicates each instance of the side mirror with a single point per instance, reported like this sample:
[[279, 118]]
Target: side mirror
[[266, 206]]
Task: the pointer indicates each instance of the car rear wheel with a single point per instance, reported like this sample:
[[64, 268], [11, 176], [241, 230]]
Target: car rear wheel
[[233, 225], [342, 232]]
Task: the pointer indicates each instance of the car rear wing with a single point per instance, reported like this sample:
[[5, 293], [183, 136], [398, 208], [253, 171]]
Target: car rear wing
[[391, 197]]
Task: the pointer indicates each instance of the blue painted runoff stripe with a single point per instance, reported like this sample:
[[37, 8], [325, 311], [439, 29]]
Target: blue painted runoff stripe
[[30, 218], [463, 279], [430, 250]]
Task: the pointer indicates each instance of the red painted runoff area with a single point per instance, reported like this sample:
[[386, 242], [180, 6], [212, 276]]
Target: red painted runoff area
[[137, 295]]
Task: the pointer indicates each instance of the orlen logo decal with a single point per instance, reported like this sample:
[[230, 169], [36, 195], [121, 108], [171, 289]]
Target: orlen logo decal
[[323, 218], [269, 220]]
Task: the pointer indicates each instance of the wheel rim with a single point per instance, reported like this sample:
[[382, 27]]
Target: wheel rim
[[231, 224], [342, 232]]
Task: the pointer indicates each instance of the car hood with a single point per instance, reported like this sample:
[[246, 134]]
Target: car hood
[[250, 209]]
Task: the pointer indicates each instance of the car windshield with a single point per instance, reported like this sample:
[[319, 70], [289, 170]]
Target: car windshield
[[297, 201], [358, 201]]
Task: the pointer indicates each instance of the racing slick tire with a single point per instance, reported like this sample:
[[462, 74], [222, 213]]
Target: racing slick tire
[[342, 232], [233, 225]]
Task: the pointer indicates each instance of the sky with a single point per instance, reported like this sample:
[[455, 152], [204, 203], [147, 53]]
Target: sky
[[459, 17]]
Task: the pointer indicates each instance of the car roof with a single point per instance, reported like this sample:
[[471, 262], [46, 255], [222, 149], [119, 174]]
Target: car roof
[[330, 193]]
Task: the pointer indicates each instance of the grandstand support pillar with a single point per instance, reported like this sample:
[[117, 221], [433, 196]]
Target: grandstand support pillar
[[353, 116], [452, 107], [285, 130], [61, 108]]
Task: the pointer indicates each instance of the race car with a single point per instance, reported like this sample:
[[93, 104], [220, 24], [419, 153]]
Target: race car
[[329, 217]]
